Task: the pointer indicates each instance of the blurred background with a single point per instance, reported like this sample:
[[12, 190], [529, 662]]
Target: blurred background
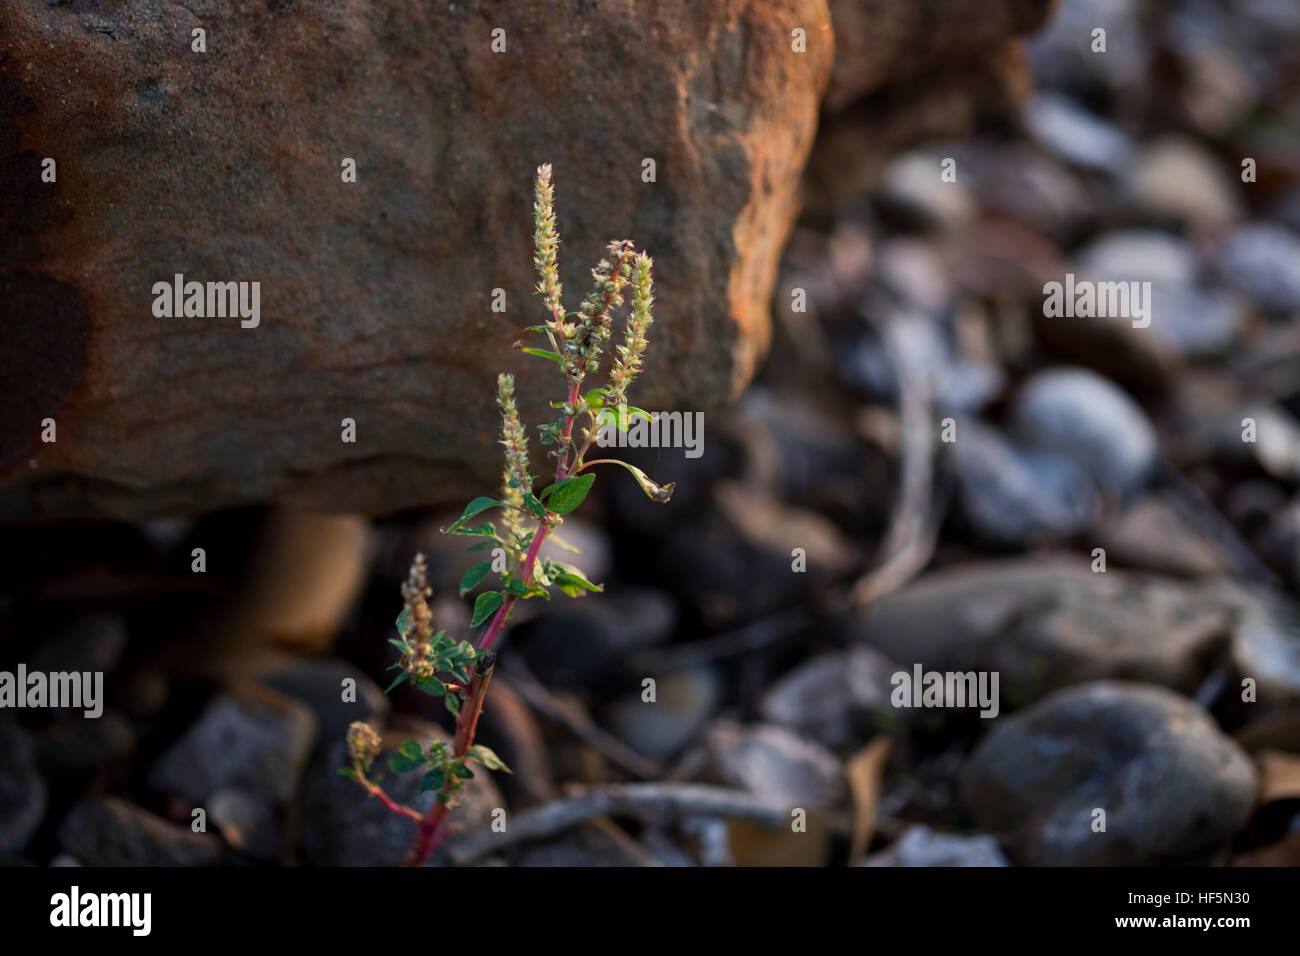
[[1106, 516]]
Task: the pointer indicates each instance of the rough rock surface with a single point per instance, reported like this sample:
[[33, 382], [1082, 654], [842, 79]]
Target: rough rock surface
[[375, 296]]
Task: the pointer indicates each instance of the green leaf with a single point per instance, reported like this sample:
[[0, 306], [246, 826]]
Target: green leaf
[[543, 353], [485, 605], [480, 546], [433, 780], [452, 703], [487, 758], [347, 772], [462, 771], [473, 576], [400, 677], [568, 494], [408, 757], [431, 686], [536, 507], [485, 530], [573, 583], [475, 507]]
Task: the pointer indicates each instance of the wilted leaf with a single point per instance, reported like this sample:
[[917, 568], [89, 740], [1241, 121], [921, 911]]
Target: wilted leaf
[[487, 758]]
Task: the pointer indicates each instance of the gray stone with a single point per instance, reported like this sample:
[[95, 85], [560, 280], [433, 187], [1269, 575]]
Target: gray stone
[[1263, 261], [684, 701], [1265, 642], [833, 698], [22, 789], [1176, 178], [318, 683], [938, 617], [247, 822], [1062, 53], [911, 185], [776, 764], [922, 846], [1075, 135], [1173, 787], [108, 831], [583, 643], [1112, 626], [1081, 416], [1144, 255], [1014, 495], [81, 743], [94, 643], [251, 737]]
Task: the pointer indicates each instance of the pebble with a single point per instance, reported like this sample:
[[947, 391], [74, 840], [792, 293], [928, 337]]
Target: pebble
[[776, 764], [684, 701], [1014, 495], [249, 737], [1173, 787], [921, 846], [246, 822], [319, 683], [1075, 135], [833, 698], [109, 831], [1144, 255], [23, 793], [911, 186], [582, 643], [1085, 418], [1262, 260], [1175, 178]]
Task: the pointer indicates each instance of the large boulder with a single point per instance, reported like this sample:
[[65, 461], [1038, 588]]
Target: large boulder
[[375, 296]]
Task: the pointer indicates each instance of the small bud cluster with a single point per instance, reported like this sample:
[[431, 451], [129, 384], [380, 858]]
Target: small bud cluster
[[630, 353], [363, 744], [416, 593], [513, 437], [516, 481], [597, 312], [545, 243]]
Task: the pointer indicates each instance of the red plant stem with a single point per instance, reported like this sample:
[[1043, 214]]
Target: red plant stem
[[384, 798], [566, 434], [466, 725], [432, 830]]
